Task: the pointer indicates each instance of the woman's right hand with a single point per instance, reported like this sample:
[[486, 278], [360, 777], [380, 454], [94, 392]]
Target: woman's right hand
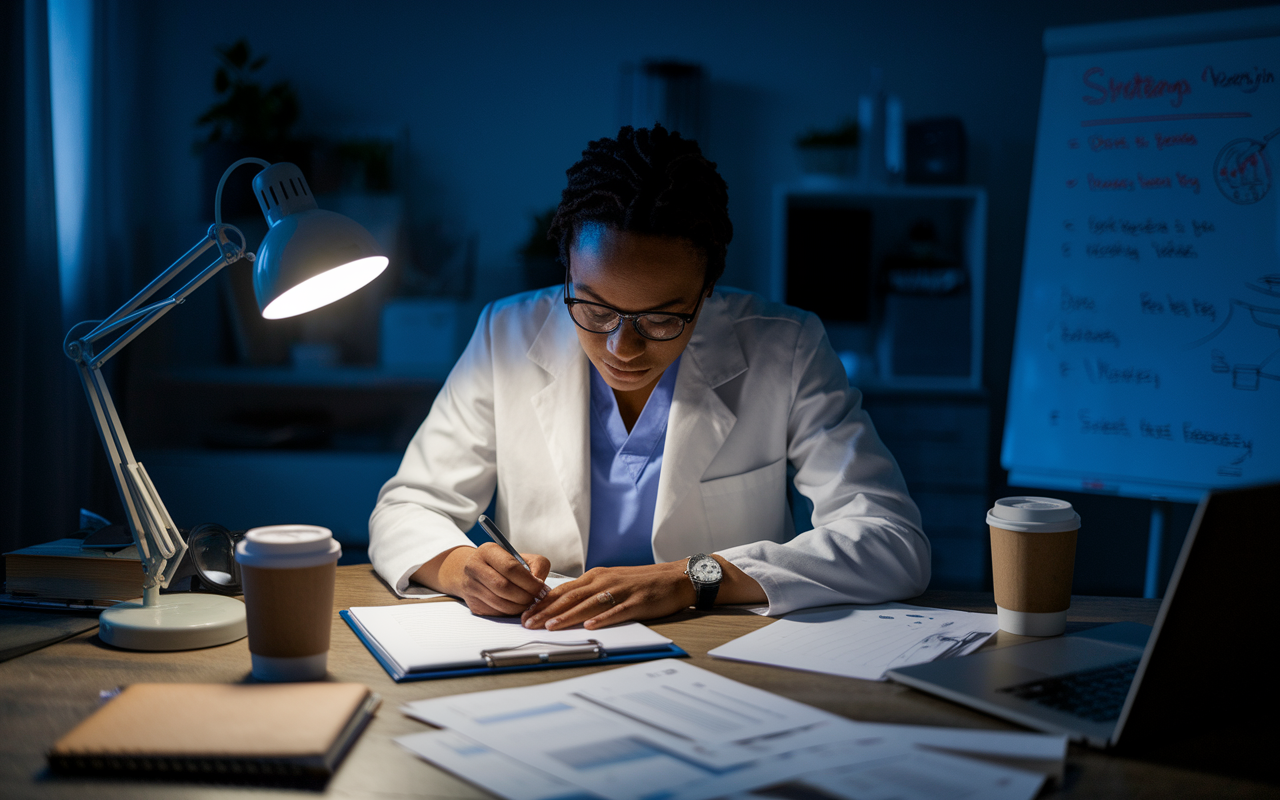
[[487, 578]]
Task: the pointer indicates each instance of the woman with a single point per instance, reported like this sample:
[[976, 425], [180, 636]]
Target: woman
[[637, 419]]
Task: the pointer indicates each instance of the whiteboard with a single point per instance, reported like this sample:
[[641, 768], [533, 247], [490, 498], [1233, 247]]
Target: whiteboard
[[1147, 349]]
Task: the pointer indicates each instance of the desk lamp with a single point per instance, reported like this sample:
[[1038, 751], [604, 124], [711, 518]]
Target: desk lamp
[[308, 259]]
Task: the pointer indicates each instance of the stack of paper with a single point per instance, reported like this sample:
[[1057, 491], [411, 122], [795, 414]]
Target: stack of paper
[[667, 729]]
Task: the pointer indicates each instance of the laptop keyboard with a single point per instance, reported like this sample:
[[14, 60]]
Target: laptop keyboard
[[1093, 694]]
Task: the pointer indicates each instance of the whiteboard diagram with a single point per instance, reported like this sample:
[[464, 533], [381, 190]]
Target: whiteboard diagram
[[1247, 376]]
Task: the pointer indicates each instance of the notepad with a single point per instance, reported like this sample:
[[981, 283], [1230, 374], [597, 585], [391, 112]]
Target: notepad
[[219, 731], [426, 640]]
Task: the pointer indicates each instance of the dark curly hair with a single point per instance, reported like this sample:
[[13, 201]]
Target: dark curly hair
[[648, 181]]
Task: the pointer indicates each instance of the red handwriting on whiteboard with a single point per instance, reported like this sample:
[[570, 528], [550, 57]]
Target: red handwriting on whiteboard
[[1139, 87], [1246, 81], [1097, 143], [1109, 184], [1163, 141]]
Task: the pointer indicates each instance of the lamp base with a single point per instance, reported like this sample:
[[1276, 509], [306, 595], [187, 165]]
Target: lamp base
[[176, 622]]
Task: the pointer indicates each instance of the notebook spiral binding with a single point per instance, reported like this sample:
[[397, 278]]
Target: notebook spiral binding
[[181, 766]]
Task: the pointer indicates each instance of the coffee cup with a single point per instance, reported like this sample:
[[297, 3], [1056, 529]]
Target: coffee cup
[[288, 572], [1033, 555]]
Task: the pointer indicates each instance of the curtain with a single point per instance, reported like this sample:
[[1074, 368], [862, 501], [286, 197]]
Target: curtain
[[51, 460]]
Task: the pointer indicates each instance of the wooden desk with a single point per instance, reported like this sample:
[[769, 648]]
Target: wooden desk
[[44, 694]]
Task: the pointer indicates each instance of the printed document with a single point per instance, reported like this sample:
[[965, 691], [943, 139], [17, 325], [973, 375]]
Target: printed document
[[862, 641], [669, 729]]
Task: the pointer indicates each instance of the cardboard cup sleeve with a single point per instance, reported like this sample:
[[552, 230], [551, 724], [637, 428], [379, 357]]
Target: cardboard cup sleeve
[[1032, 570]]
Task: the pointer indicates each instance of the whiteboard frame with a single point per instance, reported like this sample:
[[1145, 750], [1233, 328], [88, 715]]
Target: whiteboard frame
[[1218, 26]]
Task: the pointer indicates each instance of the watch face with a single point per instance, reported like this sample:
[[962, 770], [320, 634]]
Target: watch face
[[705, 570]]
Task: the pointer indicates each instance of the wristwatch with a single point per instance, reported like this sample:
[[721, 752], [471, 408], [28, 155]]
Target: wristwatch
[[705, 573]]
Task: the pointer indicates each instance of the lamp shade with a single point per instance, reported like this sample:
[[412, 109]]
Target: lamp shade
[[310, 257]]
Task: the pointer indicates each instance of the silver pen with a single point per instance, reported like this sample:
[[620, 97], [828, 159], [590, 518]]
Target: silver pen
[[491, 528]]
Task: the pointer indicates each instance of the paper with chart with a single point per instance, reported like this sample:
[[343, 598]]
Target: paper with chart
[[489, 769], [868, 766], [421, 637], [670, 729], [1146, 357], [862, 641]]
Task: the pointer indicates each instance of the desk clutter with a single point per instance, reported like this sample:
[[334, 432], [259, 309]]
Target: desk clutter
[[705, 736], [219, 731]]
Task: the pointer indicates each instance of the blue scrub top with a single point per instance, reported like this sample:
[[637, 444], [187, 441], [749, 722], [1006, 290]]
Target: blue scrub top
[[624, 473]]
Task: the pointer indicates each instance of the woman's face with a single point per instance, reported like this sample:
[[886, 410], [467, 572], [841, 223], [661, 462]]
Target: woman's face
[[633, 273]]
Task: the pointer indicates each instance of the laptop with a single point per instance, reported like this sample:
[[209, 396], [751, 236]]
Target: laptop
[[1201, 680]]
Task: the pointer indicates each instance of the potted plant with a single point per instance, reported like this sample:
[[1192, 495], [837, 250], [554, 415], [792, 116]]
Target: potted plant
[[831, 151], [248, 119]]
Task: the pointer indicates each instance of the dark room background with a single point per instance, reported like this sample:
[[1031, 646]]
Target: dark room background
[[481, 107]]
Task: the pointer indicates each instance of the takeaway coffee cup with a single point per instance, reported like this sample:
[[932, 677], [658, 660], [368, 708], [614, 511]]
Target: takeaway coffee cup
[[1033, 556], [287, 572]]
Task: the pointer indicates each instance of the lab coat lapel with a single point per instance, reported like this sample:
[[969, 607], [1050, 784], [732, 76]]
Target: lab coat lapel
[[561, 409], [699, 421]]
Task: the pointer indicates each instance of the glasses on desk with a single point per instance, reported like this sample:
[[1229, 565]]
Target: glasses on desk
[[210, 562], [211, 549]]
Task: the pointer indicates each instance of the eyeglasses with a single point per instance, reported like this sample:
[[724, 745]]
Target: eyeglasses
[[660, 326], [211, 550]]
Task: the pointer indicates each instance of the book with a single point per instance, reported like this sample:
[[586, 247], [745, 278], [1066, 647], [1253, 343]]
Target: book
[[223, 731], [413, 641], [61, 569]]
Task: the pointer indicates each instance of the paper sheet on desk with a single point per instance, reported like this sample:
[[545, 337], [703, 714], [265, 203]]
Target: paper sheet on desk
[[854, 769], [862, 641], [702, 736]]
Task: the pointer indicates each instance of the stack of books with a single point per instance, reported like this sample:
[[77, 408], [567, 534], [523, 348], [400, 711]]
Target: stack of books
[[60, 571]]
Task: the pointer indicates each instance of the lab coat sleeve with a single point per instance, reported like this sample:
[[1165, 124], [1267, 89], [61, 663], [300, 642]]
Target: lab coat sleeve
[[449, 471], [867, 545]]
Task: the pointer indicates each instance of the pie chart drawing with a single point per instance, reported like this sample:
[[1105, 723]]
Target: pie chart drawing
[[1242, 170]]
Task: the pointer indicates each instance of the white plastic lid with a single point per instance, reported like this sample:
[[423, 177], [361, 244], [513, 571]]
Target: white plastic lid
[[288, 547], [1044, 514]]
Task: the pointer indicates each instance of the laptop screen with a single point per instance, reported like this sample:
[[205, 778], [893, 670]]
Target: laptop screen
[[1206, 676]]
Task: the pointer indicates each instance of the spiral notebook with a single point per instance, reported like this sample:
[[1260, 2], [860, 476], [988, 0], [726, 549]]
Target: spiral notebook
[[230, 732]]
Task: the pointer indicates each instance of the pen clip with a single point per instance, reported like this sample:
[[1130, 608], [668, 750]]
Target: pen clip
[[542, 653]]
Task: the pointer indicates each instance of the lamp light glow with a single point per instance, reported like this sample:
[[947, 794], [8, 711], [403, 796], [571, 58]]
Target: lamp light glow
[[325, 288], [308, 259]]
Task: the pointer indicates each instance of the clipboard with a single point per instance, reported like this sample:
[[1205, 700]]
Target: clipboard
[[531, 655]]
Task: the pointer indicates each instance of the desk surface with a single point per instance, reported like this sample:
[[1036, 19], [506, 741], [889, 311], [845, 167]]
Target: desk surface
[[44, 694]]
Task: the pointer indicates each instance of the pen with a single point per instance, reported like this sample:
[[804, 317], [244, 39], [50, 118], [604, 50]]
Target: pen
[[492, 529]]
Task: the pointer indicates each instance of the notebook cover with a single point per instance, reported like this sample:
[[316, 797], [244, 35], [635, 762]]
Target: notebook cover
[[670, 651], [292, 729]]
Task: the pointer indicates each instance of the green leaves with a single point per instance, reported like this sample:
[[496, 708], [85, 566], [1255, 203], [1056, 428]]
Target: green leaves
[[246, 111]]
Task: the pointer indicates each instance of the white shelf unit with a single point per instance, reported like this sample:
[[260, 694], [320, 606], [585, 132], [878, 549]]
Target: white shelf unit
[[959, 213]]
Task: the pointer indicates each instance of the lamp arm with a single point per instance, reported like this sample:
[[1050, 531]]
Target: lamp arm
[[159, 542]]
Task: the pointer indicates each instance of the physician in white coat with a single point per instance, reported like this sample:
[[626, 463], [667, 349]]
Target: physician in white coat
[[637, 426]]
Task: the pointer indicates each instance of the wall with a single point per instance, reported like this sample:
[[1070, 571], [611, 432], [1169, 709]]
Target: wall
[[499, 98]]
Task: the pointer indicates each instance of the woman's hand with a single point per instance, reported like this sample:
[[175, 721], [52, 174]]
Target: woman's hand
[[487, 578], [610, 595]]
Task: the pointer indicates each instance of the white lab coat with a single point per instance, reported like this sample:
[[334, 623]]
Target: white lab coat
[[759, 387]]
